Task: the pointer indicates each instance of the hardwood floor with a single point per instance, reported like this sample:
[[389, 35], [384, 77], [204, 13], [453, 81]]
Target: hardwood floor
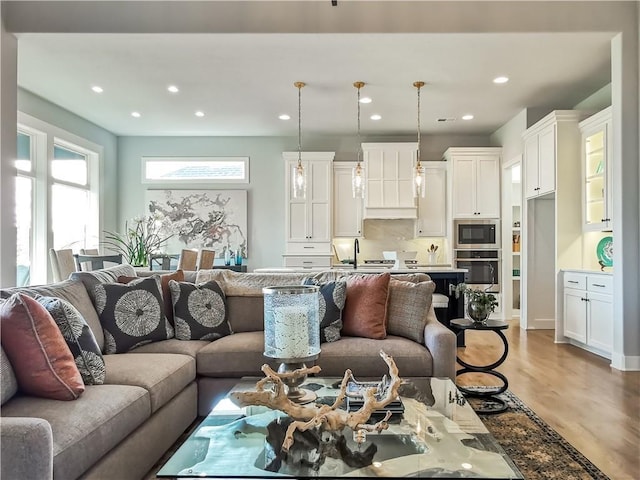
[[594, 407]]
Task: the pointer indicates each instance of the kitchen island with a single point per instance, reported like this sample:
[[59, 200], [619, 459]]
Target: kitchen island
[[445, 277]]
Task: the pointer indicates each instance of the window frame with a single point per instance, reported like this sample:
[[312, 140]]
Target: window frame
[[186, 181], [46, 136]]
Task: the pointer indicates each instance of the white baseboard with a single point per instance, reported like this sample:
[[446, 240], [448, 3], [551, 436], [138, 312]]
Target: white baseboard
[[542, 324], [626, 363]]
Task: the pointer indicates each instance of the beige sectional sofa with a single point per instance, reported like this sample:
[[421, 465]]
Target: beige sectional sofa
[[152, 393]]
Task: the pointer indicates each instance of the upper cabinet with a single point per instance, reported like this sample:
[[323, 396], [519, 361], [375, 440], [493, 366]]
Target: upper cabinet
[[309, 219], [546, 143], [596, 171], [347, 211], [475, 181], [389, 177], [432, 211]]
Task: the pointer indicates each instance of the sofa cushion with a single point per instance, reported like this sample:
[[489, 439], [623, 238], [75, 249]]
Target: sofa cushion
[[332, 298], [246, 314], [79, 338], [172, 345], [131, 314], [178, 276], [106, 275], [365, 311], [163, 375], [74, 292], [200, 310], [86, 429], [38, 353], [409, 304], [358, 354], [234, 356], [8, 382]]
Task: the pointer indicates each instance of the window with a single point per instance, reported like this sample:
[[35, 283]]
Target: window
[[56, 196], [189, 169]]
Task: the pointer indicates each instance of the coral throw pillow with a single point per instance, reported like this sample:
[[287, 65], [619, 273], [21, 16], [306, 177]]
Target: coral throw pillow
[[365, 309], [41, 359]]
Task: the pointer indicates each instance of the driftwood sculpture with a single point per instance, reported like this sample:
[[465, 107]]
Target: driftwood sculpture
[[329, 417]]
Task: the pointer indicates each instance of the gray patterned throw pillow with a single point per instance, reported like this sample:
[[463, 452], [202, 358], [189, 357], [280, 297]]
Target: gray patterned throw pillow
[[131, 314], [79, 338], [332, 298], [199, 310]]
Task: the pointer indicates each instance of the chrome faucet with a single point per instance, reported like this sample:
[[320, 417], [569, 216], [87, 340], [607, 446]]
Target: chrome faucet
[[356, 251]]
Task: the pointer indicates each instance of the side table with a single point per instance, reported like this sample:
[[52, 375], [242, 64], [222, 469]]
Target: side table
[[497, 404]]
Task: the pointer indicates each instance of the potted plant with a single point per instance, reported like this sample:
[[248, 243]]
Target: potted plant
[[480, 304], [140, 239]]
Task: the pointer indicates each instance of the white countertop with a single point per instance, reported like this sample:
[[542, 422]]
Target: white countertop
[[364, 269], [590, 272]]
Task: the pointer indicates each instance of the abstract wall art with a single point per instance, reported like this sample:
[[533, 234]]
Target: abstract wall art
[[214, 219]]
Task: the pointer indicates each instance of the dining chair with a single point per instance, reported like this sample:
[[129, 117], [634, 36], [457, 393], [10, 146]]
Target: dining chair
[[62, 263], [95, 262], [206, 258], [188, 260], [163, 261]]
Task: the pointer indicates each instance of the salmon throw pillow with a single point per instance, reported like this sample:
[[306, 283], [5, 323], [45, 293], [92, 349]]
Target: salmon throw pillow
[[365, 309]]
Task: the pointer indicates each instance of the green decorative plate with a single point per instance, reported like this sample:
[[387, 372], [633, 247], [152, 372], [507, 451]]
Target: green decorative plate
[[604, 251]]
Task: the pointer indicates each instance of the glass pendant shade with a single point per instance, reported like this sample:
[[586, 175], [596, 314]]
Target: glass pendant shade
[[418, 181], [299, 175], [299, 178], [357, 181]]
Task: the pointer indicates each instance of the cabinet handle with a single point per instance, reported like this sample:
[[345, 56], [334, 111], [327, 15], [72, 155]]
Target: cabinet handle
[[598, 285], [568, 281], [306, 261], [308, 247]]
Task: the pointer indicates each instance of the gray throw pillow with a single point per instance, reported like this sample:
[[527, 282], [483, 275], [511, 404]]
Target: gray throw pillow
[[332, 298], [131, 314], [409, 304], [199, 310], [79, 337]]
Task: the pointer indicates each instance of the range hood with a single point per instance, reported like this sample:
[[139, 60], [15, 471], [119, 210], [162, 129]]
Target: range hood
[[390, 213]]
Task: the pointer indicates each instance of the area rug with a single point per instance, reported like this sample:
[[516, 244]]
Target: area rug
[[538, 451]]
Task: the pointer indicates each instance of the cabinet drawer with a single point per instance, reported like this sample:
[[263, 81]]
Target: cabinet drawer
[[307, 262], [575, 280], [600, 284], [309, 248]]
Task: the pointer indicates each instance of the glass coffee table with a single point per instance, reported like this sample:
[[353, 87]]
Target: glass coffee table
[[438, 436]]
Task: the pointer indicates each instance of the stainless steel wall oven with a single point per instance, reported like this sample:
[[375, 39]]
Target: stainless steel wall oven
[[483, 268]]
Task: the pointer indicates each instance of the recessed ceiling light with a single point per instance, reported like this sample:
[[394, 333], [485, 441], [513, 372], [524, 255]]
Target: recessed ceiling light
[[97, 89], [467, 117], [501, 80], [199, 114], [376, 117], [135, 114], [284, 116], [365, 100], [173, 89]]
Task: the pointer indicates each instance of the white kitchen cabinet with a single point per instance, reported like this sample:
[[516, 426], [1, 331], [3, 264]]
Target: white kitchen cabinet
[[545, 147], [432, 209], [308, 220], [597, 210], [588, 310], [389, 180], [475, 181], [347, 211]]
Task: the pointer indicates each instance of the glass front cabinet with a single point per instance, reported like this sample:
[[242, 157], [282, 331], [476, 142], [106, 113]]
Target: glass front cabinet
[[596, 171]]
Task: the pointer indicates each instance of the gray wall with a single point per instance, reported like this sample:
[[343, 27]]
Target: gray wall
[[266, 197]]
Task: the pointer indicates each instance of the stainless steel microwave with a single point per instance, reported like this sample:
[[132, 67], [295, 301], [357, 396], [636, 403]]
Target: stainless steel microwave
[[476, 234]]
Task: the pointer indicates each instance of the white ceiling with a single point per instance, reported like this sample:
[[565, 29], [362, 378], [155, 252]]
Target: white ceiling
[[244, 81]]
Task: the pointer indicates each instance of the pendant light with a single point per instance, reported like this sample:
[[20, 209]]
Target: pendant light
[[418, 172], [357, 173], [299, 176]]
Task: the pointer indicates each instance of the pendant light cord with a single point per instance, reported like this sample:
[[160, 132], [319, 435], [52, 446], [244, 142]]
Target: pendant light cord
[[418, 85], [299, 85], [358, 86]]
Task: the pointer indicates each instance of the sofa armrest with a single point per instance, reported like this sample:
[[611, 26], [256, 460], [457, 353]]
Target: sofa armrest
[[26, 448], [441, 342]]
